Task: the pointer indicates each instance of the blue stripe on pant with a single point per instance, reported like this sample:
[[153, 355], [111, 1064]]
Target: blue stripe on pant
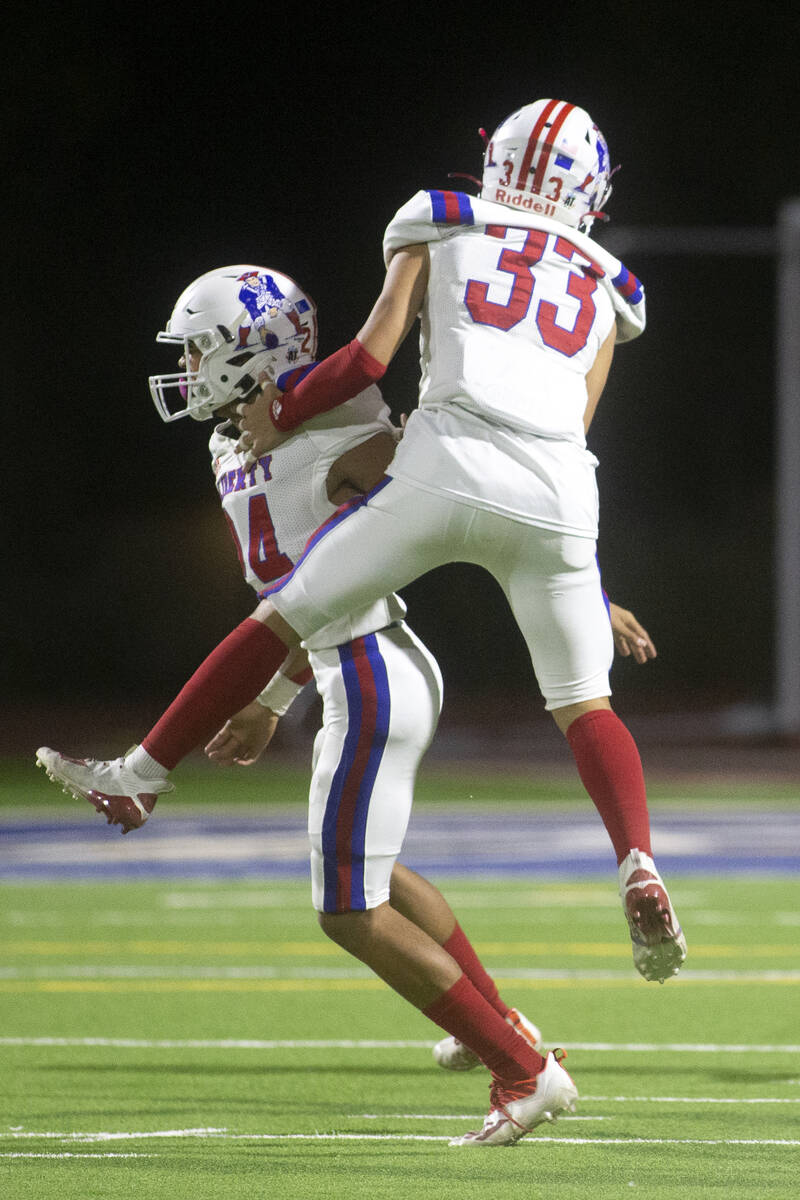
[[344, 826]]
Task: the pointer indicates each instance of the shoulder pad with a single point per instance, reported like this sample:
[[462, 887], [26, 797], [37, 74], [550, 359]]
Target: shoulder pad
[[427, 217]]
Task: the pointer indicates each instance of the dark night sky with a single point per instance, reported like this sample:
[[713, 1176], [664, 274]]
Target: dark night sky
[[143, 151]]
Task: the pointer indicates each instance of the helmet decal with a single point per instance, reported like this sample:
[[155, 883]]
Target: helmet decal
[[263, 300]]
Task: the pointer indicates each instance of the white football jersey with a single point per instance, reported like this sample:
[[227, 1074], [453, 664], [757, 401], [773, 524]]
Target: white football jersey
[[515, 312], [274, 507]]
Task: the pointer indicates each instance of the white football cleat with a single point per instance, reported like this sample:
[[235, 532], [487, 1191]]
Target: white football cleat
[[112, 787], [453, 1055], [518, 1109], [659, 947]]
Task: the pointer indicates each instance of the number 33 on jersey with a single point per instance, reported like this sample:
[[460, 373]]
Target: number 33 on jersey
[[581, 284], [539, 301]]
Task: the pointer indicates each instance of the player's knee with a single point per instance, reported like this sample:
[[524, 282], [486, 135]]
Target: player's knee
[[565, 715], [347, 929]]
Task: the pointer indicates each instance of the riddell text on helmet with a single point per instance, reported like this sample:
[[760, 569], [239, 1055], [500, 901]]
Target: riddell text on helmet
[[517, 200]]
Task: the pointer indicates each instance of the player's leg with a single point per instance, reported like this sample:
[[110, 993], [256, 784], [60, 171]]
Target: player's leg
[[125, 789], [553, 586], [416, 898], [230, 678], [609, 765], [526, 1088], [555, 592], [381, 705], [409, 961], [425, 975], [423, 904], [381, 697], [368, 549], [413, 693]]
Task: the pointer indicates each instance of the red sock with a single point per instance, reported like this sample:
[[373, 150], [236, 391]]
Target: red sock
[[459, 947], [463, 1012], [611, 770], [230, 678]]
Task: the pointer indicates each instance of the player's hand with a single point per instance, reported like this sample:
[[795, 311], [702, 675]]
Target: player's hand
[[258, 435], [244, 738], [630, 637]]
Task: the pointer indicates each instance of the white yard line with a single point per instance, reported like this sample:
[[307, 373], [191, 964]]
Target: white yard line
[[682, 1047], [583, 1099], [532, 1141], [216, 1044], [374, 1044], [71, 1154], [224, 1135], [445, 1117], [102, 1136], [692, 1099]]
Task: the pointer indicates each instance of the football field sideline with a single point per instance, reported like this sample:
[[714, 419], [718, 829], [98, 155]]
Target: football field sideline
[[498, 841]]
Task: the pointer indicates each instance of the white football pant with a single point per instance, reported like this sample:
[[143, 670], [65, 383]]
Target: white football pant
[[382, 695]]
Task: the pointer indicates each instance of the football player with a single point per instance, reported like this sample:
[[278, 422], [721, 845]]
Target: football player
[[520, 312], [381, 687]]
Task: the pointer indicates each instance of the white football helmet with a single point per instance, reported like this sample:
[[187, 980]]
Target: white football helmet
[[549, 158], [242, 320]]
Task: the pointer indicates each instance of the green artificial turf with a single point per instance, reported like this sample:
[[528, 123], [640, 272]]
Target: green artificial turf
[[199, 1040]]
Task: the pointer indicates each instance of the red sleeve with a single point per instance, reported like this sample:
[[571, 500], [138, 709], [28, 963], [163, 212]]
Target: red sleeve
[[337, 378]]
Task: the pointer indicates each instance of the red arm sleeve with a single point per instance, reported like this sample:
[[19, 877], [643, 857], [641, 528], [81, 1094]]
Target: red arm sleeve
[[337, 378]]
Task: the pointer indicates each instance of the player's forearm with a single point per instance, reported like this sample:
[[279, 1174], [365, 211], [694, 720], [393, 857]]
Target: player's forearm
[[347, 372], [337, 378], [399, 303]]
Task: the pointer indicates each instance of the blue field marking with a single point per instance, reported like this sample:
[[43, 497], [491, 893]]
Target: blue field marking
[[456, 840]]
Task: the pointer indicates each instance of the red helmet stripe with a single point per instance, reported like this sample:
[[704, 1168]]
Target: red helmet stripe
[[548, 147], [532, 141]]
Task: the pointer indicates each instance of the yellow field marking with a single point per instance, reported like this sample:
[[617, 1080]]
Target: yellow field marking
[[84, 986], [191, 985], [120, 947], [266, 950], [600, 949]]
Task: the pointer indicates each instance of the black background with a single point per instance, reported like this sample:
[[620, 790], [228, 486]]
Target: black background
[[147, 147]]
